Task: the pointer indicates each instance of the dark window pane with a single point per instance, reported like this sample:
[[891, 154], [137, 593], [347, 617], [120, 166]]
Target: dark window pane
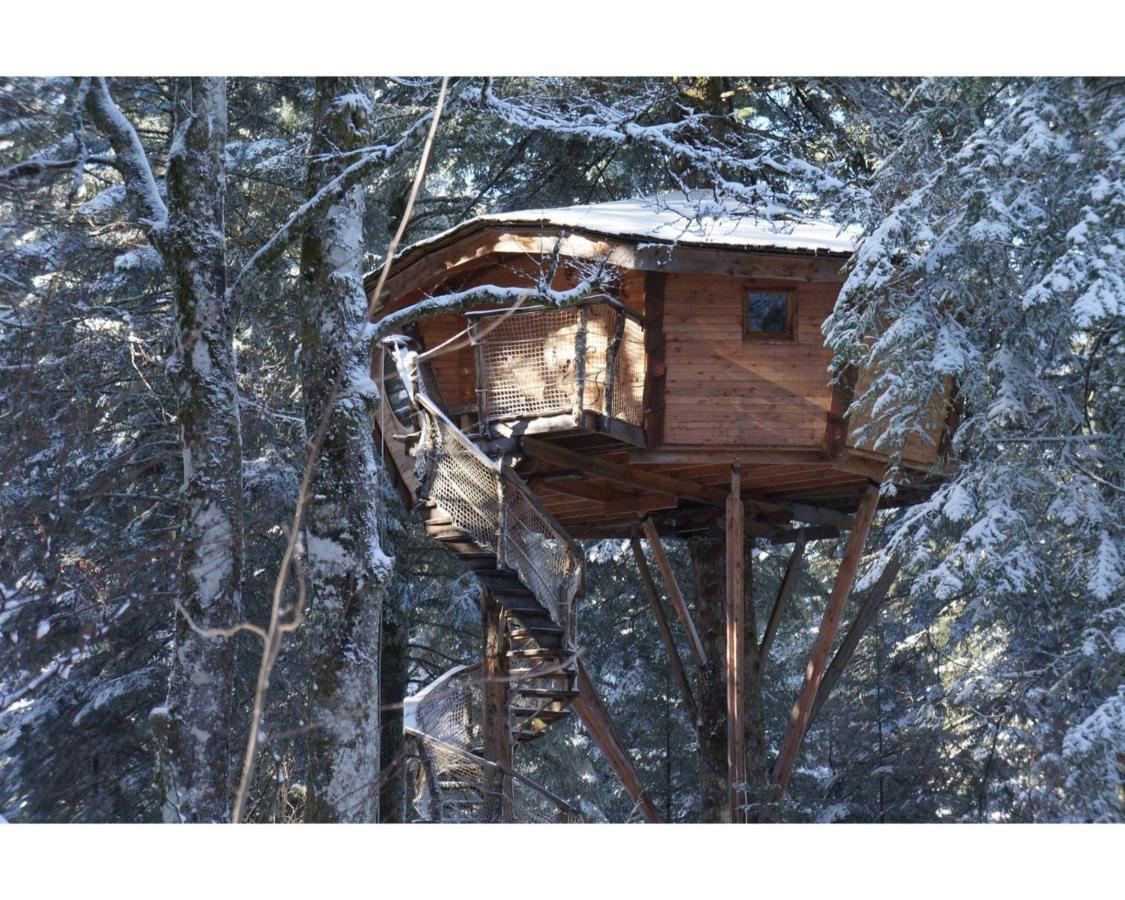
[[768, 312]]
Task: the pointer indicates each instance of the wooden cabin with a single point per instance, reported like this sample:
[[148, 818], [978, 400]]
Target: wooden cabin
[[703, 348], [607, 371]]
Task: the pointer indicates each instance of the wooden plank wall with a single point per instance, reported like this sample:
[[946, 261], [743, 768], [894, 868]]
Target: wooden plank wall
[[722, 388]]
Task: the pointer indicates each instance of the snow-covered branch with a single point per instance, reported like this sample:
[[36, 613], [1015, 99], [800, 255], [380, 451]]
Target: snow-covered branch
[[458, 301], [131, 159], [314, 207]]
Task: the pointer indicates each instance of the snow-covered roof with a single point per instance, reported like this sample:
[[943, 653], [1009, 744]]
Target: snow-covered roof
[[676, 219], [667, 219]]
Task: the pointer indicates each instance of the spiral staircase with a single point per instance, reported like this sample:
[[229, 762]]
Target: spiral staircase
[[487, 516]]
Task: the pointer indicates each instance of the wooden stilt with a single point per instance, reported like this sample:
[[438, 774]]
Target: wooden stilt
[[818, 655], [495, 697], [665, 631], [596, 718], [674, 591], [858, 628], [736, 636], [783, 594]]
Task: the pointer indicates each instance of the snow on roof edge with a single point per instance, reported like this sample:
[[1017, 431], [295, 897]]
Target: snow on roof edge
[[670, 220]]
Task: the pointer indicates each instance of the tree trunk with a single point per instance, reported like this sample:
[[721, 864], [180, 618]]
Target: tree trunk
[[709, 586], [392, 687], [347, 568], [495, 698], [194, 727]]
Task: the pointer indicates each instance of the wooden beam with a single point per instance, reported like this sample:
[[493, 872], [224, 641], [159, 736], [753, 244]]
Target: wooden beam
[[818, 655], [613, 502], [791, 535], [675, 487], [858, 628], [655, 366], [782, 600], [674, 592], [665, 630], [736, 636], [494, 698], [626, 475], [596, 718], [695, 454]]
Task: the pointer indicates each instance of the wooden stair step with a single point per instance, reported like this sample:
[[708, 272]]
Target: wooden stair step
[[538, 653], [459, 785], [545, 693], [545, 715], [546, 627]]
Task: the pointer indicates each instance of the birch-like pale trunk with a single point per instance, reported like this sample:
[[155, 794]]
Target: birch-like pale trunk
[[347, 568], [187, 228], [195, 764]]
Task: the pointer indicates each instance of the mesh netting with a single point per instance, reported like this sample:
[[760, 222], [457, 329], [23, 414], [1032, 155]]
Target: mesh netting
[[529, 363], [452, 782], [463, 483], [467, 486], [542, 555], [615, 365]]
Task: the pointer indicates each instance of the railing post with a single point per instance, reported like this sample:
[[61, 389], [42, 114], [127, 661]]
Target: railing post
[[611, 361], [481, 390], [580, 363], [501, 522]]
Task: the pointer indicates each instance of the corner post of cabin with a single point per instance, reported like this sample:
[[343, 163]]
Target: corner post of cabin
[[736, 636], [495, 697], [818, 654]]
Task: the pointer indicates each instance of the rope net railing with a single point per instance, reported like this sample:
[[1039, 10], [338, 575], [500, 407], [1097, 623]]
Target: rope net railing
[[541, 362], [452, 782], [542, 554], [491, 507], [500, 513]]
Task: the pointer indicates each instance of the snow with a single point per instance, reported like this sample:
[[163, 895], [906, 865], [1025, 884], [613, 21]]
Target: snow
[[106, 200], [670, 219]]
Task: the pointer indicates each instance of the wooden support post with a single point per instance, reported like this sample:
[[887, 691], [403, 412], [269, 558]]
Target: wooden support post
[[736, 637], [665, 631], [655, 369], [495, 698], [818, 655], [596, 718], [674, 592], [783, 594], [858, 628]]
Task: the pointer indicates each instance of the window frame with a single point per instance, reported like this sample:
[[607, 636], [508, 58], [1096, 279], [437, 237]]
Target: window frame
[[789, 335]]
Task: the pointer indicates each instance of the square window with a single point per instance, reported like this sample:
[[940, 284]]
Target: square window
[[769, 314]]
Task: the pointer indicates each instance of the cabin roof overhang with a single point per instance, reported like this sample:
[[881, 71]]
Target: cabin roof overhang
[[631, 235]]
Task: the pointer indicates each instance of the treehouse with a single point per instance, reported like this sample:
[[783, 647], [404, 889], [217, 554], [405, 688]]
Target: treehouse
[[611, 371]]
